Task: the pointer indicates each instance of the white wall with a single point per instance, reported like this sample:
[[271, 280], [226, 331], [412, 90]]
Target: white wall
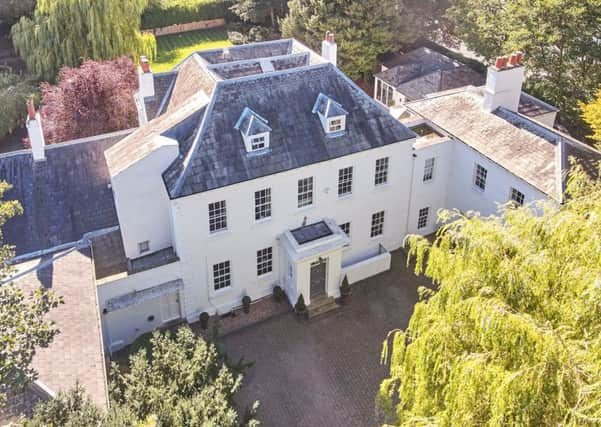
[[142, 202], [465, 196], [198, 250]]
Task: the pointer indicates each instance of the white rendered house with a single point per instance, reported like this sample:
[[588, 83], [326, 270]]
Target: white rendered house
[[263, 165]]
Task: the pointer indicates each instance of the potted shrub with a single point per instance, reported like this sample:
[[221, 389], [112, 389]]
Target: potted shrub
[[246, 303], [278, 293], [300, 306], [345, 288], [204, 320]]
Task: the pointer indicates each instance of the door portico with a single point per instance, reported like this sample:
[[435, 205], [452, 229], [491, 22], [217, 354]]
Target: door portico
[[314, 256]]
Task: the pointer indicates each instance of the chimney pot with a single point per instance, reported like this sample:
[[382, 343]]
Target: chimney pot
[[331, 37], [520, 56], [501, 62], [326, 37], [30, 109], [144, 64], [513, 60]]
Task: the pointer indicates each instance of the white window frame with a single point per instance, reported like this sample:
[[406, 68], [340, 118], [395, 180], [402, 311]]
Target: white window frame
[[335, 124], [263, 204], [305, 192], [384, 93], [423, 217], [429, 169], [516, 196], [345, 181], [144, 246], [258, 142], [264, 261], [346, 227], [222, 275], [381, 172], [480, 175], [217, 216], [377, 224]]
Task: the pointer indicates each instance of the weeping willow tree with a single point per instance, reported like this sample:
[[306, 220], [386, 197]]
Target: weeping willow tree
[[512, 333], [66, 32]]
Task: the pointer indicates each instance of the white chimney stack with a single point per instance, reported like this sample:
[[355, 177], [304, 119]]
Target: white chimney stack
[[504, 83], [35, 132], [146, 78], [329, 49]]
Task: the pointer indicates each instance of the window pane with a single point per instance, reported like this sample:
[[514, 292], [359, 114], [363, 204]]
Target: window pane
[[263, 204], [377, 224], [517, 197], [422, 219], [217, 216], [221, 275], [346, 227], [381, 175], [345, 181], [480, 177], [305, 192], [429, 169], [264, 261]]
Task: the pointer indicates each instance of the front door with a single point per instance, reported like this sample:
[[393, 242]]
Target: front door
[[318, 278]]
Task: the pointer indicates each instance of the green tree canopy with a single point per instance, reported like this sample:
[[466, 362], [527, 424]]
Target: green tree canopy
[[260, 11], [591, 113], [66, 32], [12, 10], [560, 39], [23, 323], [512, 334], [15, 90], [363, 29]]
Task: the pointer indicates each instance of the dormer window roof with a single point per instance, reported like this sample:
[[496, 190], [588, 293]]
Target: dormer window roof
[[254, 130], [331, 115]]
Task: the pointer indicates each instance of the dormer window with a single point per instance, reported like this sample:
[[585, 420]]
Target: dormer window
[[254, 130], [331, 114]]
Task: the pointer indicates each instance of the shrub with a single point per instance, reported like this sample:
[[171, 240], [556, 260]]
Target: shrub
[[236, 38], [259, 34], [300, 306], [14, 92], [204, 320], [278, 293], [246, 303], [92, 99], [161, 13], [345, 288]]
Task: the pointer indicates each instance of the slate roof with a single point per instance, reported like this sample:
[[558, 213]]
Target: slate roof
[[217, 156], [192, 77], [63, 197], [163, 85], [529, 150], [250, 123], [248, 51], [424, 71]]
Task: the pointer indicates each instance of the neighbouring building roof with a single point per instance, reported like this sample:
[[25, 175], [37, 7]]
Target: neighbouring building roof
[[76, 354], [423, 72], [63, 197], [218, 156], [163, 85], [529, 150], [192, 77]]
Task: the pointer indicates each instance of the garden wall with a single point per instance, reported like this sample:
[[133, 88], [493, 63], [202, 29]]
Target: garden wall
[[190, 26]]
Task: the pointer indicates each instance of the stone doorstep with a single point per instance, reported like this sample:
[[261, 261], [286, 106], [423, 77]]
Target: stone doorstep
[[321, 305]]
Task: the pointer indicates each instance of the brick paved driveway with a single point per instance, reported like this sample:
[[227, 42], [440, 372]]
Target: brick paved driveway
[[325, 372]]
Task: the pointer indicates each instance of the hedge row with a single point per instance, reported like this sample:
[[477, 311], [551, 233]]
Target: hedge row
[[161, 13]]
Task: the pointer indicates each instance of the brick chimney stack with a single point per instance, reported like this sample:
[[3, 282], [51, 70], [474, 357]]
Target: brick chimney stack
[[329, 48], [35, 132], [504, 83], [145, 78]]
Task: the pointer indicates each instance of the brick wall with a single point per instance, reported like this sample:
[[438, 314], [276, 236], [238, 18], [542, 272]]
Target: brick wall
[[191, 26]]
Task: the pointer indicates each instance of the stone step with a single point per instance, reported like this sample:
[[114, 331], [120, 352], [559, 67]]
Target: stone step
[[321, 305]]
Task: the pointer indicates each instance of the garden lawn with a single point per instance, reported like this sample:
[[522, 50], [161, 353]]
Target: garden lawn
[[173, 48]]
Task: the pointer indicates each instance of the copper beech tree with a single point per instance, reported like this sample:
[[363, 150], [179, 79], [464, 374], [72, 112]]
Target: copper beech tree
[[95, 98]]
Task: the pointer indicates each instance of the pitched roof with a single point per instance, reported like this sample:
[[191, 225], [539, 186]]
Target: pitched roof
[[192, 77], [163, 85], [327, 107], [76, 354], [526, 148], [424, 71], [250, 123], [218, 156], [63, 197]]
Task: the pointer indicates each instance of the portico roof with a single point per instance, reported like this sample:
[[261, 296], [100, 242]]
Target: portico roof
[[314, 239]]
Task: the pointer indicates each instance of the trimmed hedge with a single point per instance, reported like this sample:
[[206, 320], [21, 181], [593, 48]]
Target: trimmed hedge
[[162, 13]]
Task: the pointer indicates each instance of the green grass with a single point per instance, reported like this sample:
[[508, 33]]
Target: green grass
[[172, 49]]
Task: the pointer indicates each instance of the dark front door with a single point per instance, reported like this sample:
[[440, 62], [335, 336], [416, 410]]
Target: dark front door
[[318, 278]]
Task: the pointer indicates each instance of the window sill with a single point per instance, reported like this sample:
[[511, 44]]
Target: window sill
[[265, 275], [306, 208], [478, 189], [382, 186], [263, 220], [378, 237], [222, 291], [219, 233], [346, 196]]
